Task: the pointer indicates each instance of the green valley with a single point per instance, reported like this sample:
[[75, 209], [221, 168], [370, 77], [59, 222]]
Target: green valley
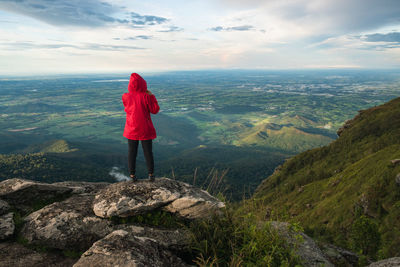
[[244, 123]]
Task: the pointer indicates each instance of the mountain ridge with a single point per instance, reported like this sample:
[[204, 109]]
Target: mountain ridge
[[329, 189]]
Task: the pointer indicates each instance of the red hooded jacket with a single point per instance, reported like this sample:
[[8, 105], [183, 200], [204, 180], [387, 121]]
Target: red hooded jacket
[[138, 106]]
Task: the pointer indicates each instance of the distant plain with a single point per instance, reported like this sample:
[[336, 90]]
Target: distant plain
[[238, 123]]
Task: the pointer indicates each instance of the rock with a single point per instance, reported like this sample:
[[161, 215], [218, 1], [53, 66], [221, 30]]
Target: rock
[[24, 194], [70, 224], [82, 187], [16, 255], [126, 199], [309, 253], [391, 262], [349, 123], [194, 204], [176, 239], [121, 248], [4, 207], [339, 256], [7, 226], [395, 161], [398, 179]]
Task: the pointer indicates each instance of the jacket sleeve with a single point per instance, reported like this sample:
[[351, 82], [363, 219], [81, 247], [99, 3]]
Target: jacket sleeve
[[124, 101], [153, 104]]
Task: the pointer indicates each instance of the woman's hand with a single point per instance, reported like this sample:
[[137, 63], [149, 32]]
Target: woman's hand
[[149, 92]]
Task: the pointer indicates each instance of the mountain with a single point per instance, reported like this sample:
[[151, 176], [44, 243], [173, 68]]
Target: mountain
[[347, 192], [52, 146], [292, 134], [287, 138]]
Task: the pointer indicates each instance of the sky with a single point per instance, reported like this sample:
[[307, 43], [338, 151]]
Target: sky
[[97, 36]]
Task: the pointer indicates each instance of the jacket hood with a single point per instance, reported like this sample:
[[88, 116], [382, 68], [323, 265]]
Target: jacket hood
[[137, 83]]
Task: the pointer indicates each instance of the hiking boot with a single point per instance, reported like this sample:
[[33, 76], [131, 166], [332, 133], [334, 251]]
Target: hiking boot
[[152, 177], [133, 178]]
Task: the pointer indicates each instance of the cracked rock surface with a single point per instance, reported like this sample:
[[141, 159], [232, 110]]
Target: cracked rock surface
[[23, 194], [70, 224], [6, 225], [126, 199], [121, 248]]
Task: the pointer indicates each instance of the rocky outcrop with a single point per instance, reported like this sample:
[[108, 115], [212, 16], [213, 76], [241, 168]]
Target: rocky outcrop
[[121, 248], [395, 162], [349, 123], [126, 199], [194, 204], [82, 187], [172, 239], [23, 195], [391, 262], [339, 256], [70, 224], [6, 225], [65, 221], [16, 255], [309, 253], [4, 207]]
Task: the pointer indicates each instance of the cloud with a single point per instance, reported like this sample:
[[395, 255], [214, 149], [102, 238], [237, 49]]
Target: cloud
[[172, 29], [322, 16], [84, 46], [65, 12], [88, 13], [235, 28], [392, 37], [146, 19], [139, 37]]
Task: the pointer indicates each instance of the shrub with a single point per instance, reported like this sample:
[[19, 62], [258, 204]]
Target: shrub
[[365, 237], [232, 239]]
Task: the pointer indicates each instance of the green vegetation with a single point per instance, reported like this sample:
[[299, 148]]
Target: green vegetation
[[246, 122], [364, 236], [237, 239], [51, 167], [326, 188]]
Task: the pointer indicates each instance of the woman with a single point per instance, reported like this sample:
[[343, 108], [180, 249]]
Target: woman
[[139, 103]]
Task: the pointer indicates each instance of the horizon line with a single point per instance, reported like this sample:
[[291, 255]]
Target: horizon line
[[120, 72]]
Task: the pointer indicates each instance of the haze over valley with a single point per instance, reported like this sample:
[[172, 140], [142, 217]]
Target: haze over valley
[[232, 122]]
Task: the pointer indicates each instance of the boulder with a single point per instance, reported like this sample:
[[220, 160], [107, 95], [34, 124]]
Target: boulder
[[7, 226], [339, 256], [25, 194], [126, 199], [16, 255], [172, 239], [194, 204], [4, 207], [82, 187], [70, 224], [309, 253], [391, 262], [123, 249], [395, 161]]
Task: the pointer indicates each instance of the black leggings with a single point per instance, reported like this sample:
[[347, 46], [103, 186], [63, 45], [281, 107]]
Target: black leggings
[[147, 146]]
